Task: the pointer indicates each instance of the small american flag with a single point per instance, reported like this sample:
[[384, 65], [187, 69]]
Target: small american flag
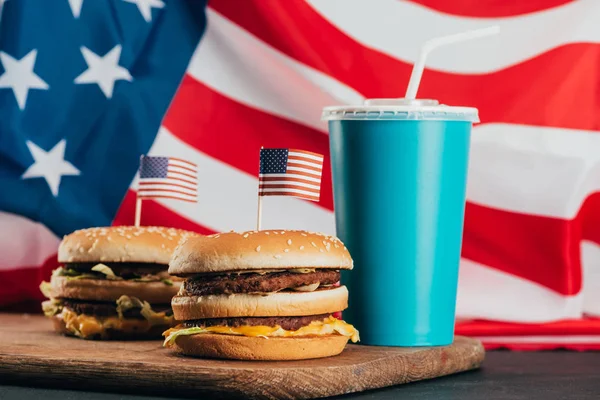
[[168, 177], [290, 172]]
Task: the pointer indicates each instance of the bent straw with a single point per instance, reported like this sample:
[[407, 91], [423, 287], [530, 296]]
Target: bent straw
[[417, 72]]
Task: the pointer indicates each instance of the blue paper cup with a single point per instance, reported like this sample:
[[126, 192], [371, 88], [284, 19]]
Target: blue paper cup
[[399, 179]]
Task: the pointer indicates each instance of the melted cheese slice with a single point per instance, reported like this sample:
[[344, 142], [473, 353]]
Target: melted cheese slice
[[328, 326], [86, 326]]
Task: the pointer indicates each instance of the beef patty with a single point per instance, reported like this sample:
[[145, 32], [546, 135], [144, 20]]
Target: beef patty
[[287, 323], [126, 270], [106, 309], [202, 285]]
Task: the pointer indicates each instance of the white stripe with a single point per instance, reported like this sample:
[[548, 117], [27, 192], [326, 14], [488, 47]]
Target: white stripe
[[288, 190], [533, 170], [154, 187], [487, 293], [399, 28], [314, 174], [541, 339], [168, 181], [308, 178], [24, 243], [151, 194], [309, 156], [291, 183], [177, 169], [229, 197], [182, 176], [225, 44], [590, 261], [308, 163], [185, 164]]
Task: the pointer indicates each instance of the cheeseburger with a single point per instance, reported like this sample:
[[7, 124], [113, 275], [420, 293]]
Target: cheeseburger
[[260, 295], [113, 283]]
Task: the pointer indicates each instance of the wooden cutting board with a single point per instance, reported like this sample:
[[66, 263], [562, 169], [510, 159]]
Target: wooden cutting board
[[32, 354]]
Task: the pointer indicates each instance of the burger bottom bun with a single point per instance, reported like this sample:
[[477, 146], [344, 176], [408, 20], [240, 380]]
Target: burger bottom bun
[[280, 304], [151, 332], [107, 290], [211, 345]]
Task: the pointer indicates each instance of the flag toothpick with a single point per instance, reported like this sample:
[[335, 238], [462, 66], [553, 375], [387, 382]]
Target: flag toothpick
[[288, 172]]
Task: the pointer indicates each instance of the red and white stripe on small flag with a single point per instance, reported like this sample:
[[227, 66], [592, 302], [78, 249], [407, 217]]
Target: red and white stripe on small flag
[[290, 172], [168, 177]]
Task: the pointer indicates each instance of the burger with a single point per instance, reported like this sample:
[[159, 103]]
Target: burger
[[260, 295], [113, 283]]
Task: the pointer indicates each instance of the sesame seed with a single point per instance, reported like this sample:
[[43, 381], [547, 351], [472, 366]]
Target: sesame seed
[[325, 243], [266, 233], [277, 256], [128, 236], [258, 248], [286, 250], [304, 234], [301, 247], [245, 236], [289, 241], [283, 232], [321, 251], [162, 245], [276, 233], [328, 248], [336, 245], [313, 244]]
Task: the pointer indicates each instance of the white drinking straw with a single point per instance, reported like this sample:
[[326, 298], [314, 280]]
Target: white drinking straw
[[417, 72]]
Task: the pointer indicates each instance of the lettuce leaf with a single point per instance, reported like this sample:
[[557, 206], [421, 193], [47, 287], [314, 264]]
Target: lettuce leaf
[[51, 307], [172, 334], [167, 282], [105, 269], [46, 289], [126, 302]]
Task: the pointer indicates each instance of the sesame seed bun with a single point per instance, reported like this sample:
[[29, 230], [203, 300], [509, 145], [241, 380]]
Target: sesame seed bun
[[122, 244], [259, 250], [110, 290], [212, 345], [287, 304]]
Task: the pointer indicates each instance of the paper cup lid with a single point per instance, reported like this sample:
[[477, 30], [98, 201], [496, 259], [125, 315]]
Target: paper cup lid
[[401, 109]]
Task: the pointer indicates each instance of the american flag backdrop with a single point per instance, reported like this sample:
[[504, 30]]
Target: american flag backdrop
[[259, 74]]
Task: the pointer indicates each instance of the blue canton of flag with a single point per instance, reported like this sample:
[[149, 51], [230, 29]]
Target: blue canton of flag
[[83, 88], [273, 161]]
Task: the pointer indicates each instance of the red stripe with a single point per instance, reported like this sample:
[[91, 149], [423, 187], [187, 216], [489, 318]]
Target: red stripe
[[24, 283], [590, 216], [162, 196], [265, 187], [184, 161], [554, 89], [249, 130], [542, 249], [154, 214], [587, 326], [490, 8], [293, 194]]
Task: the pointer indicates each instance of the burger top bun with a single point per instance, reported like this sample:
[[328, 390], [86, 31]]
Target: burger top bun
[[148, 244], [259, 250]]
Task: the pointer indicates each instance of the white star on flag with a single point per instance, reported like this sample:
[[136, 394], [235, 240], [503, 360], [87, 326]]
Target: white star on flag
[[103, 71], [145, 7], [19, 76], [50, 165], [75, 7]]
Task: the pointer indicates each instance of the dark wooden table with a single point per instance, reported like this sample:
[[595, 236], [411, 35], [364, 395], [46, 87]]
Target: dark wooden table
[[505, 375]]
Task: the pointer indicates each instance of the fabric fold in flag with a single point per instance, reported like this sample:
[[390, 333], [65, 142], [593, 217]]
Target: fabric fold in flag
[[290, 172], [168, 178]]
